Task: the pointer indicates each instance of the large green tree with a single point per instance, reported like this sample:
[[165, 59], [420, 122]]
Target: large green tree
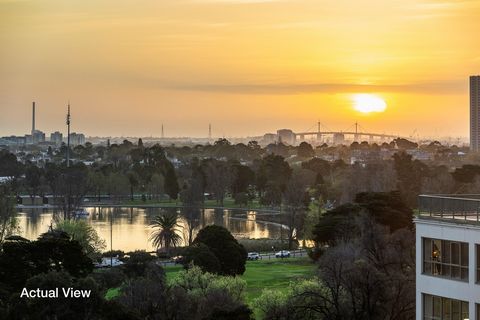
[[231, 255]]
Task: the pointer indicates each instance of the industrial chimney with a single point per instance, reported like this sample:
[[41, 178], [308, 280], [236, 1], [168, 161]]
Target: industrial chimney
[[33, 118]]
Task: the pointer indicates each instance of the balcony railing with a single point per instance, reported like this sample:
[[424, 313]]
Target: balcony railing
[[459, 208]]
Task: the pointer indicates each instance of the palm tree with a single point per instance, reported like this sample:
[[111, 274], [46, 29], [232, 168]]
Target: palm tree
[[165, 233]]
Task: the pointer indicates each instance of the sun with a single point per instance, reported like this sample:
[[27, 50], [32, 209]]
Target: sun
[[367, 103]]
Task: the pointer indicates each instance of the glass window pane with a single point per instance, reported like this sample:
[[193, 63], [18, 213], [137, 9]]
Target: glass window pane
[[464, 274], [455, 272], [478, 255], [427, 249], [455, 253], [427, 268], [465, 310], [455, 310], [437, 306], [436, 250], [446, 271], [446, 311], [446, 252], [427, 306], [465, 254]]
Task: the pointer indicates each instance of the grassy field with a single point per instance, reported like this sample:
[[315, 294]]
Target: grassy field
[[275, 274]]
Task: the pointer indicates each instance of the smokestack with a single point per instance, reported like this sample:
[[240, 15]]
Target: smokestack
[[33, 118]]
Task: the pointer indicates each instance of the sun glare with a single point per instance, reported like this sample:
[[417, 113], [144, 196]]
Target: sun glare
[[367, 103]]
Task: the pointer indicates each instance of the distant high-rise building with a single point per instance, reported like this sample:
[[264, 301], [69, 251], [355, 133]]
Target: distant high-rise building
[[475, 113], [77, 139], [38, 136], [286, 136], [56, 137]]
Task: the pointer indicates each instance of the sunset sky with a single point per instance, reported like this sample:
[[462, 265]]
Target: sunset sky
[[247, 67]]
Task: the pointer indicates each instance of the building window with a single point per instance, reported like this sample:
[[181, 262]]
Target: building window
[[477, 249], [445, 258], [440, 308]]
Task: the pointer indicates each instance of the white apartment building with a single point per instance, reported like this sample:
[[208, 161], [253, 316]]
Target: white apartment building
[[448, 257]]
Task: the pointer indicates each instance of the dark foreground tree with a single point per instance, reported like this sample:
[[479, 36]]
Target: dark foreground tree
[[387, 208], [231, 255], [21, 260], [200, 255]]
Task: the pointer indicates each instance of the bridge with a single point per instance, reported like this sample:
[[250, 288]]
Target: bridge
[[356, 134], [337, 137]]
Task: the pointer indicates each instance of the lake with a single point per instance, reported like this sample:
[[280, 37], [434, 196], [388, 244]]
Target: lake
[[129, 228]]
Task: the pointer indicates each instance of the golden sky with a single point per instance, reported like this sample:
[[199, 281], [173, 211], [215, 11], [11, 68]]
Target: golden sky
[[246, 66]]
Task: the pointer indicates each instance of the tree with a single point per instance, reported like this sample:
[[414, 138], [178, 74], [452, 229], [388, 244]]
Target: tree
[[146, 293], [405, 144], [8, 215], [137, 263], [171, 183], [133, 180], [72, 184], [157, 185], [218, 178], [231, 255], [33, 175], [296, 201], [200, 255], [165, 232], [244, 177], [201, 295], [86, 236], [10, 167], [410, 174], [370, 276], [62, 307], [386, 208], [275, 170], [53, 251], [305, 150]]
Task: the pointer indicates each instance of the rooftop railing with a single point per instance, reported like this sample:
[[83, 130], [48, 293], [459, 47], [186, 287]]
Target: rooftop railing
[[458, 208]]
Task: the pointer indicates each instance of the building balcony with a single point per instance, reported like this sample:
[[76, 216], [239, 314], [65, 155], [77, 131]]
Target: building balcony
[[461, 208]]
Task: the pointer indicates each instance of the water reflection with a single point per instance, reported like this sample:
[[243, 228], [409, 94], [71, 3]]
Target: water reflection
[[130, 228]]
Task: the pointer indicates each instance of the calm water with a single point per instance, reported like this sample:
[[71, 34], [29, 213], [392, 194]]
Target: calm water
[[130, 227]]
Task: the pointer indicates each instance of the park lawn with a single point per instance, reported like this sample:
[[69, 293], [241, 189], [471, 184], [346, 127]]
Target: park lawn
[[112, 293], [274, 274]]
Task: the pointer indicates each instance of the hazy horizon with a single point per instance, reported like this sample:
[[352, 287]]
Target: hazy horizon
[[248, 67]]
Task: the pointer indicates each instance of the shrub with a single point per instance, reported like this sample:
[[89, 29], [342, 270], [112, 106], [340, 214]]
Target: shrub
[[137, 262], [109, 278]]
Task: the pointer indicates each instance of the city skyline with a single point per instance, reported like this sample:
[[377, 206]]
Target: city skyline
[[246, 67]]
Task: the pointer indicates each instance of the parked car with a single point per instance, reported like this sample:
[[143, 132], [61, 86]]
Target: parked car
[[253, 256], [282, 254]]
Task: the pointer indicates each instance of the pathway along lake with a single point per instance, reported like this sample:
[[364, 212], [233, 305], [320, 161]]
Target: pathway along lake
[[130, 227]]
